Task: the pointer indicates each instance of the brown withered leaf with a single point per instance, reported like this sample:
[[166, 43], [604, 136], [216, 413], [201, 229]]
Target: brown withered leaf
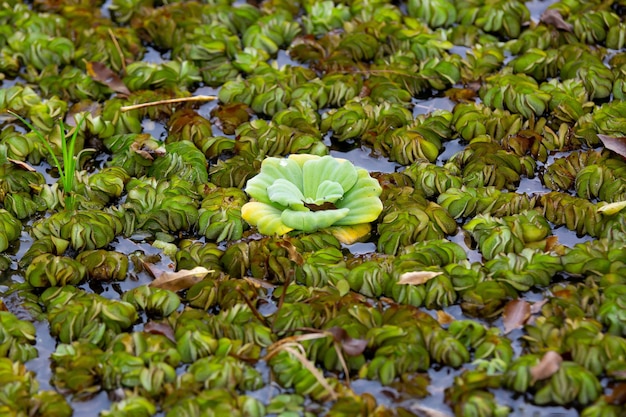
[[515, 314], [352, 347], [160, 327], [146, 153], [259, 283], [536, 307], [180, 280], [618, 395], [444, 318], [423, 411], [229, 116], [551, 242], [461, 95], [22, 164], [104, 75], [616, 144], [549, 364], [417, 277], [553, 17], [292, 251]]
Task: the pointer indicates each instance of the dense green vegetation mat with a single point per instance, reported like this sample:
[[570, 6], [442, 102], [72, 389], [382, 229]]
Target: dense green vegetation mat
[[467, 295]]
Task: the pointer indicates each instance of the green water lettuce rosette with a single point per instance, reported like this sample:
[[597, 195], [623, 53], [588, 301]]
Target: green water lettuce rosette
[[309, 193]]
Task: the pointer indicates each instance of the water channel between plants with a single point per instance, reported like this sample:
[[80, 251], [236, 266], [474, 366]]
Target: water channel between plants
[[492, 283]]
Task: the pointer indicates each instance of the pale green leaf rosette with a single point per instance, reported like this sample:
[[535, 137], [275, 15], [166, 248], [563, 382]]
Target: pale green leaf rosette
[[309, 193]]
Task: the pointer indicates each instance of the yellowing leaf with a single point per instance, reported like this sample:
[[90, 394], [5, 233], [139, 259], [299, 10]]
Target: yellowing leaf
[[548, 366], [350, 234], [417, 277], [515, 314], [612, 208], [181, 280]]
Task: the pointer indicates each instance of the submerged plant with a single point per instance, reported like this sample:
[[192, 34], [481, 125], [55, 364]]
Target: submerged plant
[[309, 193]]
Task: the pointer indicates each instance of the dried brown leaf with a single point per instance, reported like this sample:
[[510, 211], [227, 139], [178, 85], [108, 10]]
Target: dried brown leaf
[[616, 144], [180, 280], [461, 95], [292, 251], [146, 153], [551, 242], [536, 307], [553, 17], [104, 75], [423, 411], [515, 314], [259, 283], [352, 347], [22, 164], [549, 365], [162, 328], [444, 318], [417, 277], [618, 395]]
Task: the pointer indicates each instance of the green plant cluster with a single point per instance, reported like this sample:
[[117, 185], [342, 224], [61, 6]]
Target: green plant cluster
[[462, 273]]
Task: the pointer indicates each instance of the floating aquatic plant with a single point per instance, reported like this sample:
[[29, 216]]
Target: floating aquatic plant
[[307, 192]]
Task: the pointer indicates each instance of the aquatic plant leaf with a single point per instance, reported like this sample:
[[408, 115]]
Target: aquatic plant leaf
[[286, 194], [612, 208], [548, 366], [311, 221], [417, 277], [308, 192], [180, 280], [515, 315], [316, 172], [266, 217], [350, 234]]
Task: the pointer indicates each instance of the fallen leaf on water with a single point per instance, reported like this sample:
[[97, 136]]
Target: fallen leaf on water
[[515, 314], [417, 277], [536, 307], [423, 411], [162, 328], [259, 283], [548, 366], [22, 164], [444, 318], [618, 395], [553, 17], [104, 75], [352, 347], [181, 280], [617, 145]]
